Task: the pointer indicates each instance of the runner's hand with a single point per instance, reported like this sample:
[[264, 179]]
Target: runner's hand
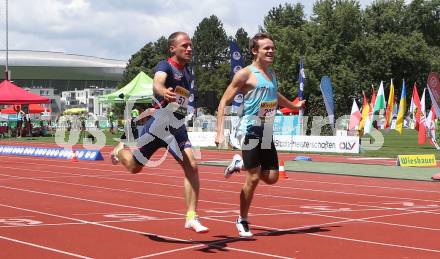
[[169, 95]]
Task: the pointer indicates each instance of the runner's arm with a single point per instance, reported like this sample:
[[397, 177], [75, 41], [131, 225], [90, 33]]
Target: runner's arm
[[238, 82], [159, 87]]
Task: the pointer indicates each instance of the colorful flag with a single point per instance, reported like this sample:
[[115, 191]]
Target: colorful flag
[[414, 109], [379, 104], [301, 79], [192, 104], [355, 116], [390, 106], [430, 126], [369, 120], [402, 109], [373, 97], [327, 94], [434, 103], [237, 63], [423, 104], [422, 124], [434, 91], [365, 112]]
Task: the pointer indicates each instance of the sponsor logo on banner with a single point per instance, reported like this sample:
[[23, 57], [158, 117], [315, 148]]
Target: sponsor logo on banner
[[417, 160], [347, 145], [236, 68], [238, 98], [331, 144], [236, 55]]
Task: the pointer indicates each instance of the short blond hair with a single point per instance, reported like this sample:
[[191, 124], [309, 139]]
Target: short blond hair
[[172, 38]]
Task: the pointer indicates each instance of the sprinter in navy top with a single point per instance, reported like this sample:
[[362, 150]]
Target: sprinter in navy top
[[166, 128]]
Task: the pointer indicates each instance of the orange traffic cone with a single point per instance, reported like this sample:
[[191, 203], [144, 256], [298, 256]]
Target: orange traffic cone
[[281, 170], [74, 158]]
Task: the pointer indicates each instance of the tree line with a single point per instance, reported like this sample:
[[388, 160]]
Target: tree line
[[356, 47]]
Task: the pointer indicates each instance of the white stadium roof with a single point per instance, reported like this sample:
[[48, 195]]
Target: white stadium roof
[[29, 64]]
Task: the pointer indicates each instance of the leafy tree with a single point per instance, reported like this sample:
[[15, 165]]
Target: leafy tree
[[145, 60], [424, 16], [386, 16], [355, 47], [242, 39], [211, 61]]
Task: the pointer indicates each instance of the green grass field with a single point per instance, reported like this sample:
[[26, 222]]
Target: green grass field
[[405, 144], [394, 144]]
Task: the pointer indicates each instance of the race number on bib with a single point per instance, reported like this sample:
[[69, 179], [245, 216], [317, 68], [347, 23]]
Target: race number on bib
[[267, 110], [182, 99]]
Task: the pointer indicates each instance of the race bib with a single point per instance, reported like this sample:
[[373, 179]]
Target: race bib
[[267, 110], [182, 99]]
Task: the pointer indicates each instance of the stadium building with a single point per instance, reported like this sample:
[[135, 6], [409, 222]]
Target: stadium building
[[59, 71]]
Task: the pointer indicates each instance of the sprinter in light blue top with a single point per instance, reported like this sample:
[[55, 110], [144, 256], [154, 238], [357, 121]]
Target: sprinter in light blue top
[[260, 103], [261, 98]]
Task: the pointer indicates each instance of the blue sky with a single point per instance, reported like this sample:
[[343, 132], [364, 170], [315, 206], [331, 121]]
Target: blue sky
[[119, 28]]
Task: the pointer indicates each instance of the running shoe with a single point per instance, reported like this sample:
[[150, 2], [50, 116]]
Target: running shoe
[[234, 166], [243, 228], [195, 225], [114, 155], [114, 159]]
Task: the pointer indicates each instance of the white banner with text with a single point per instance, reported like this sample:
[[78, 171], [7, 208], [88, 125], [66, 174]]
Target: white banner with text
[[333, 144]]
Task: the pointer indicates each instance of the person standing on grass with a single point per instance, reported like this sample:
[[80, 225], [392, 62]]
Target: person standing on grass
[[259, 86], [20, 118], [166, 128]]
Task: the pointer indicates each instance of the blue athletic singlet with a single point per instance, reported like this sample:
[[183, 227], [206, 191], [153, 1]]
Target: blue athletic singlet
[[180, 80], [260, 104], [166, 127]]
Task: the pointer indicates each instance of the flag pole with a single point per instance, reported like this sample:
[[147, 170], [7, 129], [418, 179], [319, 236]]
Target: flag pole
[[7, 49]]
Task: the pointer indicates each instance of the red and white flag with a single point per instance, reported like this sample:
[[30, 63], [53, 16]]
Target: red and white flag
[[430, 126], [422, 121], [355, 117], [415, 106]]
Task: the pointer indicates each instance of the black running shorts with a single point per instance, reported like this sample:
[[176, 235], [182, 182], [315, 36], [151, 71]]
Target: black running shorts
[[261, 154]]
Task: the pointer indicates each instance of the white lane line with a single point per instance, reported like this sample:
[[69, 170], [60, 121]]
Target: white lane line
[[350, 220], [222, 181], [406, 211], [277, 187], [201, 200], [214, 173], [44, 247], [168, 251], [375, 243], [215, 246], [226, 240]]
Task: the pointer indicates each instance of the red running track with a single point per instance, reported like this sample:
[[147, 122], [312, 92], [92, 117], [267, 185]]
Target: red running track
[[51, 208]]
